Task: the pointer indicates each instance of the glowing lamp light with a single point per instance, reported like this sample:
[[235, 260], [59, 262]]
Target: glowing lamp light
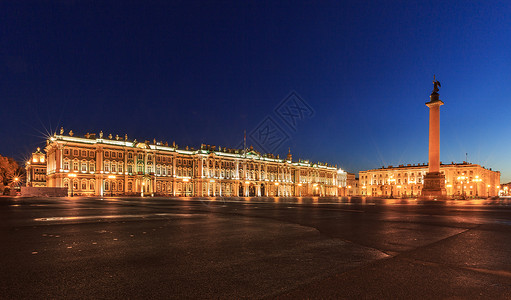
[[212, 180], [185, 180], [111, 176], [276, 183], [247, 182], [71, 175]]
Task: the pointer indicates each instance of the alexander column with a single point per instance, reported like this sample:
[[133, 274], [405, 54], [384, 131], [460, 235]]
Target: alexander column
[[434, 181]]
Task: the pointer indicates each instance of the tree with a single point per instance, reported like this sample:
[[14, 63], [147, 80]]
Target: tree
[[8, 168]]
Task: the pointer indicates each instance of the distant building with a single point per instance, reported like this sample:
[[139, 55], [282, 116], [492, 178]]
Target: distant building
[[91, 165], [350, 187], [36, 169], [463, 179], [505, 189]]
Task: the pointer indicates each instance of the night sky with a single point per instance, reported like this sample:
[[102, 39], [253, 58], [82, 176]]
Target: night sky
[[353, 74]]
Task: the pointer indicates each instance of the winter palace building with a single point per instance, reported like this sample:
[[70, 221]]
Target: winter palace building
[[91, 165]]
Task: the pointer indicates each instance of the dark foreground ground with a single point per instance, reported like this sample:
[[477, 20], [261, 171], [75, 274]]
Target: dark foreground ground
[[256, 248]]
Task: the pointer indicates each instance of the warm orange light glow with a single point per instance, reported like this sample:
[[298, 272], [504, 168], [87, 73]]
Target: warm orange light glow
[[71, 175], [247, 182], [111, 176], [211, 180], [185, 179], [276, 183]]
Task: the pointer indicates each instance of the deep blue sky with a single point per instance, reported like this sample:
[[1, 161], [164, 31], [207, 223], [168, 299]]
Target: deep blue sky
[[202, 72]]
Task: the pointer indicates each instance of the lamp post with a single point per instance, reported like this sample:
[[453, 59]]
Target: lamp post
[[488, 190], [300, 188], [71, 175], [477, 180], [461, 179], [111, 190], [392, 180]]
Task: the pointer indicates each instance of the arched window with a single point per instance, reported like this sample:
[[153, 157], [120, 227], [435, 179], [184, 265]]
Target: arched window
[[66, 164]]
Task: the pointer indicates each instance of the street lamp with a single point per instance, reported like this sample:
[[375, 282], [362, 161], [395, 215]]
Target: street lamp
[[71, 175], [477, 180], [111, 189], [461, 179], [488, 190], [392, 180]]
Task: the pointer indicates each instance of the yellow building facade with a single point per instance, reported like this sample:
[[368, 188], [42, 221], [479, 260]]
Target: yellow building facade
[[91, 165], [461, 180], [36, 169]]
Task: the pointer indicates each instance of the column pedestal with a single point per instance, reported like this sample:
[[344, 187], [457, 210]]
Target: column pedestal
[[434, 185]]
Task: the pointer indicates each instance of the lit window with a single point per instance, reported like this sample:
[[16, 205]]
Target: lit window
[[75, 166], [92, 166], [66, 165], [84, 166]]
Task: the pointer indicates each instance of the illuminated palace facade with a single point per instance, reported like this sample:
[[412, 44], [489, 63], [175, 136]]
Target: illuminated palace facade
[[463, 179], [100, 165], [36, 169]]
